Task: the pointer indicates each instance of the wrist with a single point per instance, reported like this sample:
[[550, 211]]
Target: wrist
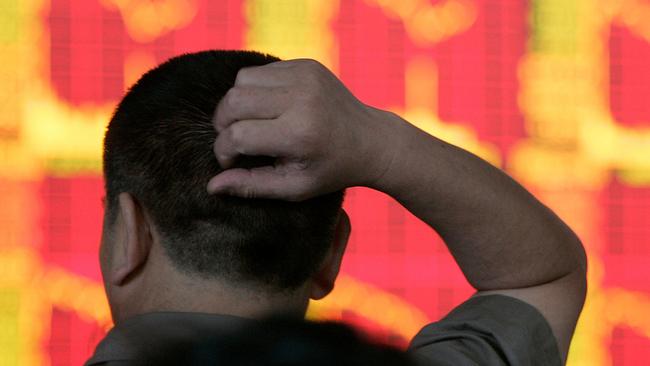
[[387, 133]]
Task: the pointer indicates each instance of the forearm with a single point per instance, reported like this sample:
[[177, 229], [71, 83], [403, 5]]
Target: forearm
[[324, 140], [500, 235]]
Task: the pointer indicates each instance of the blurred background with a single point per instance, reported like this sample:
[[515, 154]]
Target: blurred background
[[556, 92]]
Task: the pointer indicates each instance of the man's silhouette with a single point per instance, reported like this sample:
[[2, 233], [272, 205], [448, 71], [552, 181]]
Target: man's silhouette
[[225, 173]]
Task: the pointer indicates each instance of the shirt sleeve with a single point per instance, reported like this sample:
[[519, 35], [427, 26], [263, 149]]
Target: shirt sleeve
[[488, 330]]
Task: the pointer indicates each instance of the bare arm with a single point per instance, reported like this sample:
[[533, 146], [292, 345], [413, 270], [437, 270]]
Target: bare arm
[[324, 139], [504, 240]]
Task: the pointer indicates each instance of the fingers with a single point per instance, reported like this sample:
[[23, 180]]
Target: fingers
[[271, 75], [262, 92], [249, 121], [262, 182], [252, 137], [241, 103]]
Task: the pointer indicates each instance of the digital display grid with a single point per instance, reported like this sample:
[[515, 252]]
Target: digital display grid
[[554, 92]]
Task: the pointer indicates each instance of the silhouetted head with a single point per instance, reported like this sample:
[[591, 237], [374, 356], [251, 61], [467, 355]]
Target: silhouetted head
[[283, 342]]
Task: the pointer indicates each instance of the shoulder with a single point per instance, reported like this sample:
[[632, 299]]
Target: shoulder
[[144, 336], [489, 330]]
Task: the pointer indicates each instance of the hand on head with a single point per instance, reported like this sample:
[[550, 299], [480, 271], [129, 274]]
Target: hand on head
[[298, 112]]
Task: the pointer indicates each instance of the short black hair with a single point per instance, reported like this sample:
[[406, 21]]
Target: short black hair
[[158, 147]]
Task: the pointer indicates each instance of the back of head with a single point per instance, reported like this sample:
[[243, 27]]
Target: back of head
[[158, 147]]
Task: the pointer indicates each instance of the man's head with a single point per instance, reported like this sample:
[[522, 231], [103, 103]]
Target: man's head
[[166, 238]]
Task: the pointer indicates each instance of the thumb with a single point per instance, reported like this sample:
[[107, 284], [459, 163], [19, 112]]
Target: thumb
[[260, 182]]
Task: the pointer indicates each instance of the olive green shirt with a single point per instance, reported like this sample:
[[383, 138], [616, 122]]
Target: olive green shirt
[[485, 330]]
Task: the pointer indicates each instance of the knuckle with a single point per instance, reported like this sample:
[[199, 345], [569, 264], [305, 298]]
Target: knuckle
[[315, 70], [226, 135], [233, 97], [242, 76], [313, 99], [303, 140], [224, 145], [236, 134], [302, 166], [311, 77], [311, 110], [218, 146], [310, 63], [309, 145], [248, 192], [223, 148]]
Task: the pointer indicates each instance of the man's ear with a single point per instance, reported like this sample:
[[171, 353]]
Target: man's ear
[[323, 280], [132, 244]]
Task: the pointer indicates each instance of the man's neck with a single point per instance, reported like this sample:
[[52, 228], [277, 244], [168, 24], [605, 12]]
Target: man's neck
[[178, 292]]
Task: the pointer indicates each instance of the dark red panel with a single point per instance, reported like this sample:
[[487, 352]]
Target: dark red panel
[[626, 228], [478, 83], [89, 45], [87, 51], [478, 73], [628, 347], [394, 250], [71, 223], [72, 340], [629, 77], [371, 53], [477, 87]]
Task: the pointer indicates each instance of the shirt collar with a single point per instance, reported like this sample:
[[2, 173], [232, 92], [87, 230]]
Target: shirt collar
[[144, 335]]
